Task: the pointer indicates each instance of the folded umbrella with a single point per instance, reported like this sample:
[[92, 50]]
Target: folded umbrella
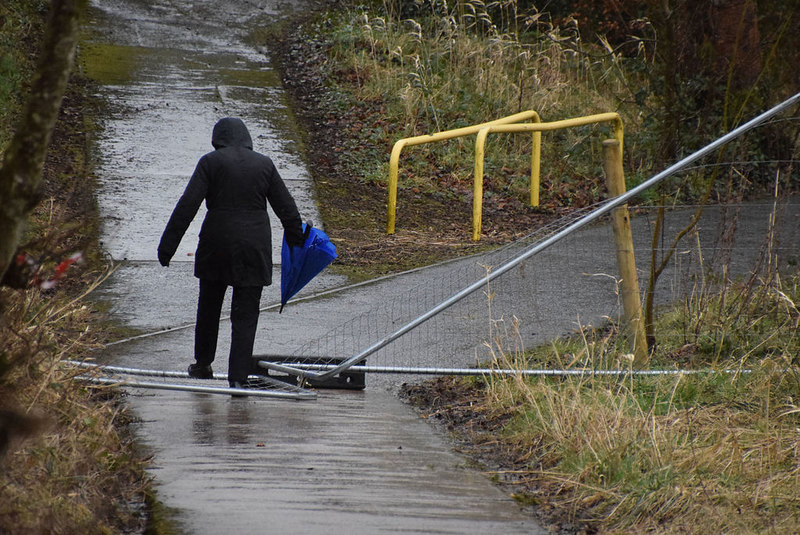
[[301, 264]]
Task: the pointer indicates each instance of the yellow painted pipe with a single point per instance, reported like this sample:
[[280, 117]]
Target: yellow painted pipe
[[477, 186], [536, 128], [394, 159], [536, 164], [565, 123]]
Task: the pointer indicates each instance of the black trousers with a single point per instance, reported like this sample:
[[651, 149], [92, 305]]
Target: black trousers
[[244, 321]]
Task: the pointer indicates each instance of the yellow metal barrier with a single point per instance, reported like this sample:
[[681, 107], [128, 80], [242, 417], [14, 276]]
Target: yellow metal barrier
[[537, 128], [394, 160]]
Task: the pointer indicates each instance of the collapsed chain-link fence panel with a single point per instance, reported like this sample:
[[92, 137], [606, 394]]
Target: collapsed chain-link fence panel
[[563, 277]]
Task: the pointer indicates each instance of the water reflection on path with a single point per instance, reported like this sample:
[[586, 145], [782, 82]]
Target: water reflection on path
[[347, 463]]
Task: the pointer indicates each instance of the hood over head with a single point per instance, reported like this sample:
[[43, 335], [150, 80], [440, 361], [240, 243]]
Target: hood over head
[[231, 132]]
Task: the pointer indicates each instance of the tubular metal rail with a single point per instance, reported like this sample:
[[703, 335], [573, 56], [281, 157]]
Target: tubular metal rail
[[261, 386], [394, 159], [539, 372]]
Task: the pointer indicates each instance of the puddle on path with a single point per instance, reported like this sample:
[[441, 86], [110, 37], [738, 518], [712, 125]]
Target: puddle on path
[[325, 466]]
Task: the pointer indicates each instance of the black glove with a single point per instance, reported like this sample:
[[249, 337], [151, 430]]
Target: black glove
[[163, 258]]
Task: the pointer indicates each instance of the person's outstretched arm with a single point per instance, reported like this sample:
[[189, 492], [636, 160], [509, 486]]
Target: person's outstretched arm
[[183, 213]]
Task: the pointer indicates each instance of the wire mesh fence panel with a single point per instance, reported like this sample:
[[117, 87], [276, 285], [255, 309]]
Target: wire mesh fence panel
[[564, 277]]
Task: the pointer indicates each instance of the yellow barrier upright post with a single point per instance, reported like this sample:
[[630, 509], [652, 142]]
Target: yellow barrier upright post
[[394, 159], [477, 184], [536, 164], [536, 128], [623, 238], [394, 164]]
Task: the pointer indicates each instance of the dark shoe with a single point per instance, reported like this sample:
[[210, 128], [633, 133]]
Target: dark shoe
[[200, 371], [239, 385]]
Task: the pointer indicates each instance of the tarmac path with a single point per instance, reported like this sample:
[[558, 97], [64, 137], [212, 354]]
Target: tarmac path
[[349, 462]]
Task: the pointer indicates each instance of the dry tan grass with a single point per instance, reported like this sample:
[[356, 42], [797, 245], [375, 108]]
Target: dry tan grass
[[713, 452], [453, 65], [73, 466]]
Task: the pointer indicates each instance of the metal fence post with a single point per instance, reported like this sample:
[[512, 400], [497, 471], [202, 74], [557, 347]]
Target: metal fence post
[[623, 239]]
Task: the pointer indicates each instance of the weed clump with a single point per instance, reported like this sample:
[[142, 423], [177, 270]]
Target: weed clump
[[437, 68], [71, 463]]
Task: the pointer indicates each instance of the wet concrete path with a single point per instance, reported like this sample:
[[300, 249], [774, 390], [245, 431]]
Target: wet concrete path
[[350, 462]]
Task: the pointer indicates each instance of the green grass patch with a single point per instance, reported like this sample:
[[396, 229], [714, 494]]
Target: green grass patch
[[20, 22], [109, 63], [249, 77]]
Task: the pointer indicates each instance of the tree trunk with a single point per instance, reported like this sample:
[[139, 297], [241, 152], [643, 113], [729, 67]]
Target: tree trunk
[[21, 170]]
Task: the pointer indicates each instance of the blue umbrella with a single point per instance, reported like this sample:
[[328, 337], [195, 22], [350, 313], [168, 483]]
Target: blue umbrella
[[301, 264]]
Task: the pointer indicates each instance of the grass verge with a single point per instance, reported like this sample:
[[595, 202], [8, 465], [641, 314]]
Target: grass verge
[[711, 450], [351, 129], [68, 460]]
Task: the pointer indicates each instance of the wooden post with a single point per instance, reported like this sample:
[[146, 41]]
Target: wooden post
[[623, 239]]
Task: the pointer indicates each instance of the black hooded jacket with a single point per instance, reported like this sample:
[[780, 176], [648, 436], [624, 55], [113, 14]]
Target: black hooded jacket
[[235, 244]]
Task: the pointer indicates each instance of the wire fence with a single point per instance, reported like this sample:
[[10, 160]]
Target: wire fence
[[562, 278]]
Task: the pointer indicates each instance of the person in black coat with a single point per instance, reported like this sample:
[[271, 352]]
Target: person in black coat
[[235, 246]]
